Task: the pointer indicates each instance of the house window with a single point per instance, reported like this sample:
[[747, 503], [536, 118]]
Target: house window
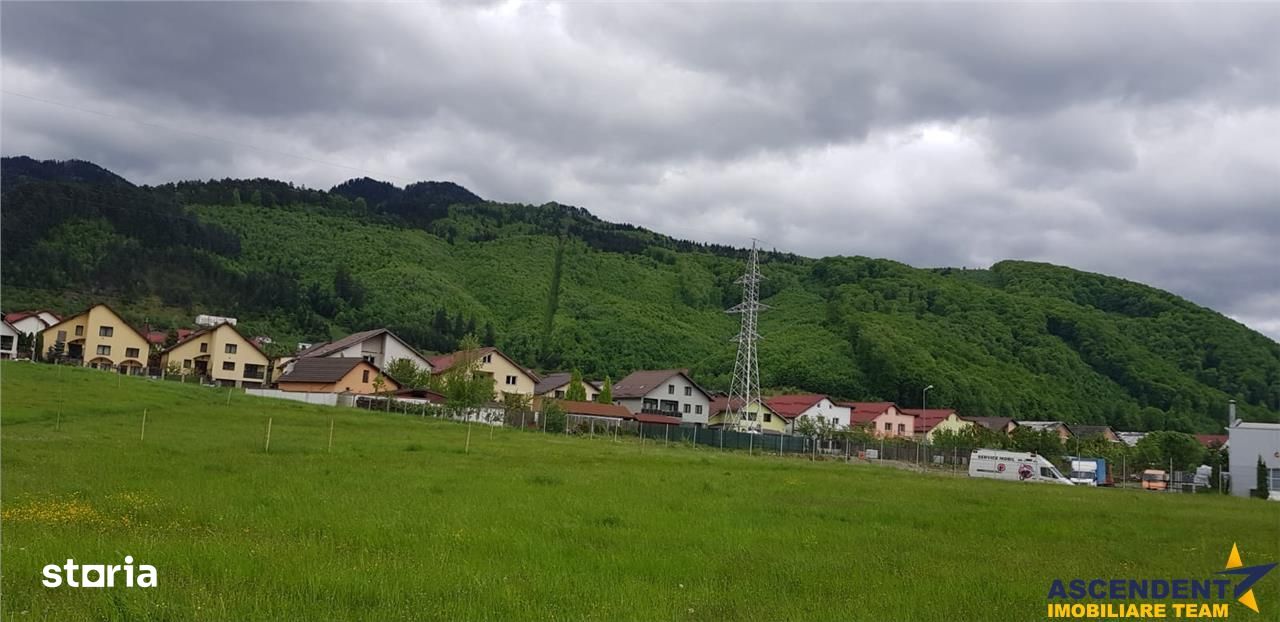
[[204, 347], [649, 405], [131, 353], [79, 331], [230, 348], [902, 428], [751, 416], [1275, 480], [698, 409], [888, 427], [768, 417], [511, 381], [105, 331], [104, 350], [6, 343], [688, 391], [686, 409], [364, 376], [186, 363], [368, 358], [559, 394], [229, 366], [671, 389], [488, 358]]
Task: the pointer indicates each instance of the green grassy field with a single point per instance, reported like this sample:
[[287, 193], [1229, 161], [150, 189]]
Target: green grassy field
[[397, 522]]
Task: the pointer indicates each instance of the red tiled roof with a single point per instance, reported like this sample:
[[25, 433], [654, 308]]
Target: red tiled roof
[[790, 406], [594, 409], [18, 316], [442, 362], [157, 337], [927, 419], [662, 419], [1212, 440]]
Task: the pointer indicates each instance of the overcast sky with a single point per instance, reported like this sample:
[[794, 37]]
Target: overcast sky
[[1137, 141]]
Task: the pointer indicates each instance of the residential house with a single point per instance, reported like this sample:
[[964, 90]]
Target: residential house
[[32, 322], [381, 347], [1213, 441], [1251, 442], [8, 341], [555, 385], [508, 375], [820, 408], [882, 418], [98, 337], [1057, 427], [759, 416], [1130, 438], [336, 375], [1004, 425], [930, 421], [1083, 431], [219, 354], [668, 392]]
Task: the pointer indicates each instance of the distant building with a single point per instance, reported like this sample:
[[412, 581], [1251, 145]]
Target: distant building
[[811, 405], [219, 354], [8, 341], [1057, 427], [99, 338], [760, 416], [1082, 431], [1130, 438], [932, 420], [336, 375], [669, 392], [882, 418], [209, 321], [381, 347], [32, 322], [555, 385], [1249, 443], [1004, 425], [508, 375], [1213, 441]]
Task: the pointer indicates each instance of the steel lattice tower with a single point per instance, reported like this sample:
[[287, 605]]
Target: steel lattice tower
[[744, 389]]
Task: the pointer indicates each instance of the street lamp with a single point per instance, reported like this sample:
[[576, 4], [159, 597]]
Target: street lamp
[[924, 407]]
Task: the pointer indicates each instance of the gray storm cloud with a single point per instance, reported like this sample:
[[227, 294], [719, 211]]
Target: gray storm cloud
[[1131, 140]]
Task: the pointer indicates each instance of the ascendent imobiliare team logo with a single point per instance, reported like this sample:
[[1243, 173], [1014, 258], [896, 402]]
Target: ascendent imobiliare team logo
[[1193, 597]]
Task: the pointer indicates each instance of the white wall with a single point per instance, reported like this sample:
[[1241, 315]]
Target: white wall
[[828, 410], [696, 401], [323, 399], [1248, 442]]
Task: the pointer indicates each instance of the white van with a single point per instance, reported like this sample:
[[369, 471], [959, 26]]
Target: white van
[[1014, 466]]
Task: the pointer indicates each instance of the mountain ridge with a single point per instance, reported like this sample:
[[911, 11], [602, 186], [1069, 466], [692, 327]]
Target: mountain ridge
[[1018, 338]]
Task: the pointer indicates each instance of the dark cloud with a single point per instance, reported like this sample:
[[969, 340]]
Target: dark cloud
[[1127, 139]]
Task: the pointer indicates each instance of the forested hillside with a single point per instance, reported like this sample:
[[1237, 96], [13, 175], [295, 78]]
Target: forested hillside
[[558, 288]]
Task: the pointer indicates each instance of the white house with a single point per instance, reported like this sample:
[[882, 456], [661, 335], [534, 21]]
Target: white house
[[31, 322], [8, 341], [1249, 442], [668, 392], [380, 347], [820, 408]]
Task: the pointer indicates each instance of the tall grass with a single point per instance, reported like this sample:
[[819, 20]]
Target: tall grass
[[397, 522]]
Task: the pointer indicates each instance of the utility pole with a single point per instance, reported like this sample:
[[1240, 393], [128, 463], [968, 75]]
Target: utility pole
[[744, 389]]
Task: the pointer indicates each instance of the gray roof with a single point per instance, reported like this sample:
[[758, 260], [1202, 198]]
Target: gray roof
[[320, 369], [640, 383], [557, 380], [325, 349]]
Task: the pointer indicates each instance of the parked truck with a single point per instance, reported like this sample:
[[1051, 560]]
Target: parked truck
[[1014, 466], [1090, 472]]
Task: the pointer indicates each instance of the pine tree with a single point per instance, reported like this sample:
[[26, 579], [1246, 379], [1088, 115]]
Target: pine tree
[[606, 391], [1263, 489], [576, 391], [490, 338]]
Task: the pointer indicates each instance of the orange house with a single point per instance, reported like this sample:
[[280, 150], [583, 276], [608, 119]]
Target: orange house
[[337, 375]]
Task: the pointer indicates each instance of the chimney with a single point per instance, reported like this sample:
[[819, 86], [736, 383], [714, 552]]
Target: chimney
[[1231, 414]]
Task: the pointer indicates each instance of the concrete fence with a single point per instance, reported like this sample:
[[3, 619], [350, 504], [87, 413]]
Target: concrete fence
[[324, 399]]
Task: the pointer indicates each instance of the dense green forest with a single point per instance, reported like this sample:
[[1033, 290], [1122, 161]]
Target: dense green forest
[[559, 288]]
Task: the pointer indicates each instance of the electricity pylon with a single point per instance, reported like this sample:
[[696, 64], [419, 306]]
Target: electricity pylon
[[744, 389]]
